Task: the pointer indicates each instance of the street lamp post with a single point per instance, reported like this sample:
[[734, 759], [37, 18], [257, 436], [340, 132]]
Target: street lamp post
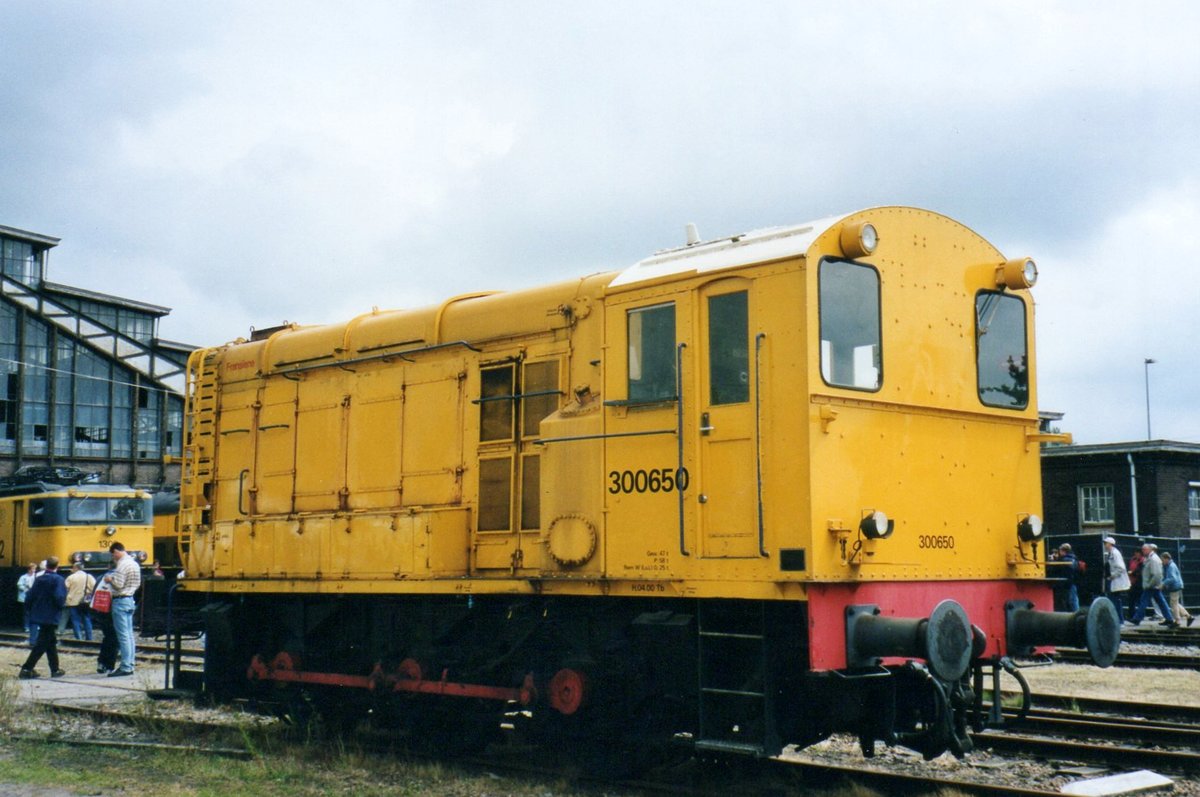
[[1149, 362]]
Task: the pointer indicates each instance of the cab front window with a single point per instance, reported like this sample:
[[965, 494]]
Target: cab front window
[[1002, 356], [87, 510], [851, 345]]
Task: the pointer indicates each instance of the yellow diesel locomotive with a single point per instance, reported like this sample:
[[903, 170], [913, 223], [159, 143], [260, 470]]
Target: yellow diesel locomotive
[[742, 494]]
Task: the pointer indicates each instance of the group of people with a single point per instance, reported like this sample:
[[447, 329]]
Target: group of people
[[49, 599], [1161, 582]]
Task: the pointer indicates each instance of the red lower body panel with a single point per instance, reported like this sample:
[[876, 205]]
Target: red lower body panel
[[983, 601]]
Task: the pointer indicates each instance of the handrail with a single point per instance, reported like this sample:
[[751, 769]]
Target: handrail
[[758, 339], [679, 439]]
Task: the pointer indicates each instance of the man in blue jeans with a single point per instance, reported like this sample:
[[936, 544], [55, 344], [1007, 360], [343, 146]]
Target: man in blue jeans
[[124, 581]]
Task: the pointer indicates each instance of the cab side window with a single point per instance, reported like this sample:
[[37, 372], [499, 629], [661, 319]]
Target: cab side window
[[652, 353], [851, 346]]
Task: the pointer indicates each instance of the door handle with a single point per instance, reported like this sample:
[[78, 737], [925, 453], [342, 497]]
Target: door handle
[[705, 426]]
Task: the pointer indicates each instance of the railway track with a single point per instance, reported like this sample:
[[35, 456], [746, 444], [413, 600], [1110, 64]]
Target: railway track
[[1164, 661], [1065, 723], [1160, 725], [693, 778], [1121, 756], [1163, 636], [149, 652], [1119, 708]]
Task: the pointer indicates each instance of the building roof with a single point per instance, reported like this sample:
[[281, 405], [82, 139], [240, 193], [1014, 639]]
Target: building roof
[[31, 237], [1141, 447], [104, 298]]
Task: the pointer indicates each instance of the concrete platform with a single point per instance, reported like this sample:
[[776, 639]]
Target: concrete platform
[[91, 690]]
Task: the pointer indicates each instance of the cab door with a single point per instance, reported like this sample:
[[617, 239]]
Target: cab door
[[727, 481]]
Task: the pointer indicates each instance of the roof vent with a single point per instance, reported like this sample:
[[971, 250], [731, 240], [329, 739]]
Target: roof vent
[[693, 235]]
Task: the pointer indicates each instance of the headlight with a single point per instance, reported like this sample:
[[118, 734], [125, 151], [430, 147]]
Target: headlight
[[1018, 273], [877, 526], [1030, 529], [859, 239]]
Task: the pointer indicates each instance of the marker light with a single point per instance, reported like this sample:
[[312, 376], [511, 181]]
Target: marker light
[[859, 239], [1018, 273], [1030, 529]]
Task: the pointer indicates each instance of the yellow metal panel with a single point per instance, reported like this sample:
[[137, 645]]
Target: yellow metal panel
[[300, 545], [276, 448], [252, 554], [320, 442], [431, 447], [448, 544], [373, 459]]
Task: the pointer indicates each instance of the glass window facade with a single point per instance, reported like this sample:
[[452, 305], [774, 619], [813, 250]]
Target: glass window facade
[[129, 322], [35, 396], [19, 261], [10, 384], [59, 397]]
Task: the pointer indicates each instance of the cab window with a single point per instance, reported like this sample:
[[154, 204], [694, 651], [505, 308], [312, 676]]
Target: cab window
[[1002, 359], [728, 349], [652, 353], [851, 347], [127, 509], [87, 510]]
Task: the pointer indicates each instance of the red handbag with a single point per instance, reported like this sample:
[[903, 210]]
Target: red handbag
[[102, 601]]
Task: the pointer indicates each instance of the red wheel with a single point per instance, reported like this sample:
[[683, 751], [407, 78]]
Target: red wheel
[[568, 691]]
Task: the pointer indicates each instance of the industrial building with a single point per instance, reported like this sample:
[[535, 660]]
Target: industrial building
[[85, 380]]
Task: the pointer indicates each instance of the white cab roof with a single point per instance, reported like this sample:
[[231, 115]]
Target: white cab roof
[[757, 246]]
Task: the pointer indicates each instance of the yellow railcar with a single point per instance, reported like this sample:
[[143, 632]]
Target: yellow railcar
[[71, 522], [787, 474]]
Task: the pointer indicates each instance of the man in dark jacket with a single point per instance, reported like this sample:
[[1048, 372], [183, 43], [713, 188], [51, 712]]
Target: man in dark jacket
[[45, 600]]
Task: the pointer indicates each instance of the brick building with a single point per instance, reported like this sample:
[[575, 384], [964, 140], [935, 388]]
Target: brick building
[[1150, 488]]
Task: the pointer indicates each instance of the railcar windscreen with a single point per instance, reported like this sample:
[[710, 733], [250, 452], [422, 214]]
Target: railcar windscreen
[[1001, 349], [851, 346]]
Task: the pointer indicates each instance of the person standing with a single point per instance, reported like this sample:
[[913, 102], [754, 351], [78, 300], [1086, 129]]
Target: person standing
[[1152, 580], [1071, 566], [1117, 582], [23, 584], [125, 579], [46, 599], [80, 585], [1173, 586], [106, 661]]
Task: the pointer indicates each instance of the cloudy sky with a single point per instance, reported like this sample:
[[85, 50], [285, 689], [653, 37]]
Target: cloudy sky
[[248, 163]]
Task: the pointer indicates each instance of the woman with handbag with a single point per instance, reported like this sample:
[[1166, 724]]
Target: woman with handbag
[[106, 662]]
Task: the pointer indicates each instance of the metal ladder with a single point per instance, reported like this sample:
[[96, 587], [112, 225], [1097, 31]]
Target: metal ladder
[[200, 445], [735, 686]]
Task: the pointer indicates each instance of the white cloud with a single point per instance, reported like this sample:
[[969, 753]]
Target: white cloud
[[253, 162]]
